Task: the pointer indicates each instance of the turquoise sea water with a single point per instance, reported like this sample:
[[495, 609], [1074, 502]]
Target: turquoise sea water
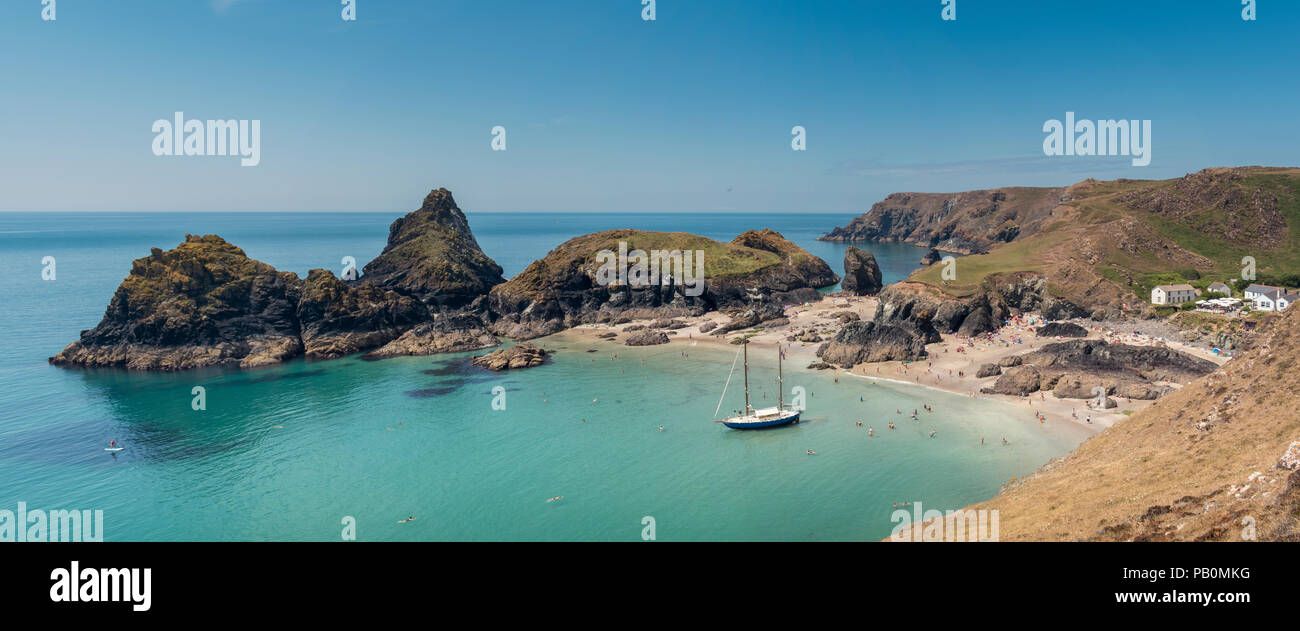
[[285, 453]]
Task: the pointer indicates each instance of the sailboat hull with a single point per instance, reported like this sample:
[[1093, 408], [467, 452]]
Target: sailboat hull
[[763, 423]]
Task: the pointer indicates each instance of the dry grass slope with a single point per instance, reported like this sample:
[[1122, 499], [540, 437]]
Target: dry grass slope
[[1202, 464]]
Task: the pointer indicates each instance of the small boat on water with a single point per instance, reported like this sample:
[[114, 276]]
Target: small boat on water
[[764, 418]]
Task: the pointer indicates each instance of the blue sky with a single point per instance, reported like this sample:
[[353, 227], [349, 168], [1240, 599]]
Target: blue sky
[[608, 113]]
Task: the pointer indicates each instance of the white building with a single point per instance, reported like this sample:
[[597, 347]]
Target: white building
[[1219, 288], [1255, 291], [1172, 294], [1275, 300]]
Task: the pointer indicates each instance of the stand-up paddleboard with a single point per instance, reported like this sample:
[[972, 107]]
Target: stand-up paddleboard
[[114, 449]]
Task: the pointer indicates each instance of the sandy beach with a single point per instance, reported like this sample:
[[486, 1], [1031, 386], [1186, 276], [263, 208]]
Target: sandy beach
[[952, 362]]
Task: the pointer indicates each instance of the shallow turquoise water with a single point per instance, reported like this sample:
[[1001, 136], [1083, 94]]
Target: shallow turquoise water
[[285, 453]]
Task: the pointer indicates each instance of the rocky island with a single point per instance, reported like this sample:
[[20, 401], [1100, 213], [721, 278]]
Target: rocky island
[[206, 303], [562, 290], [431, 290]]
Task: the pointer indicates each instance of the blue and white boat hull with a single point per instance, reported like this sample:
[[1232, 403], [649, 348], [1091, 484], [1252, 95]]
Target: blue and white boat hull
[[763, 421]]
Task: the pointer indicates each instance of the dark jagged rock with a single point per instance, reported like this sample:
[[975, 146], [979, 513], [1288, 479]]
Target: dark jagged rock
[[988, 370], [1021, 380], [204, 303], [1072, 369], [646, 338], [448, 333], [860, 342], [1152, 363], [1014, 294], [708, 326], [861, 273], [514, 358], [1011, 360], [931, 257], [1062, 329], [433, 257], [338, 319], [563, 289]]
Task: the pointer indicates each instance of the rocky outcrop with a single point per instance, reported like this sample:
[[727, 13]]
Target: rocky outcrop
[[861, 273], [988, 370], [1076, 368], [646, 338], [433, 257], [337, 319], [516, 357], [846, 317], [1061, 329], [749, 318], [969, 222], [568, 288], [1011, 360], [931, 257], [1020, 380], [1011, 295], [204, 303], [449, 333], [860, 342]]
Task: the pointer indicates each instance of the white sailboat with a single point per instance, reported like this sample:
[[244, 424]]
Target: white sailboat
[[763, 418]]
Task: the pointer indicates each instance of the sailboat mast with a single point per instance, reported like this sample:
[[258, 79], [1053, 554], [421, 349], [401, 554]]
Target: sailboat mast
[[780, 382], [746, 344]]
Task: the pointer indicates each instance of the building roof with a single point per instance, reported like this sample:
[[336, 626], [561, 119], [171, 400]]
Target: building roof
[[1259, 289], [1183, 287]]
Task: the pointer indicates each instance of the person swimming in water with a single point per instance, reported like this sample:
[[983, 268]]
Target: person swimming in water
[[556, 498], [410, 518]]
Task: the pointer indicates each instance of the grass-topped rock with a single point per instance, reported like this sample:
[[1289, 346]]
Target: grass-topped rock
[[566, 287]]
